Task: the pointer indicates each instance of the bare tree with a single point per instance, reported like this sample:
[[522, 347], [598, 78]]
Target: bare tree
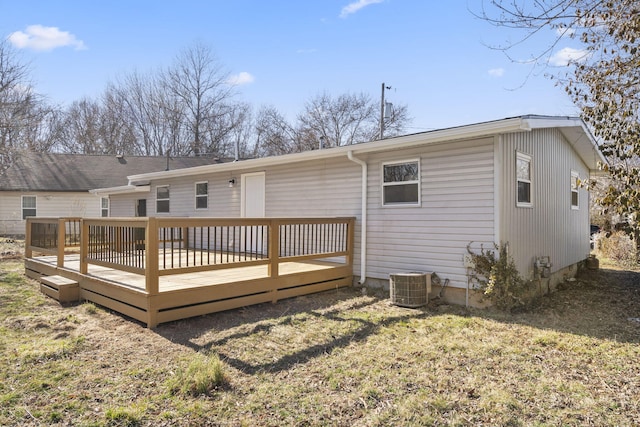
[[199, 83], [25, 119], [603, 80], [273, 134], [345, 120]]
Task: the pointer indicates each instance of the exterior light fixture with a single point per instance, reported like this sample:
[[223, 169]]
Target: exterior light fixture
[[232, 182]]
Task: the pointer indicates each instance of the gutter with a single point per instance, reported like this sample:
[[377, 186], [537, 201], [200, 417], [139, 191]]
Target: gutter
[[363, 218]]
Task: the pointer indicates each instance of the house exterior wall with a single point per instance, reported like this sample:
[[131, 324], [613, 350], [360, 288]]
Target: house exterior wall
[[467, 196], [457, 204], [550, 227], [457, 208], [48, 204]]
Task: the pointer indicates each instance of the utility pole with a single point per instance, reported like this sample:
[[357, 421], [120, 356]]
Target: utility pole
[[382, 110]]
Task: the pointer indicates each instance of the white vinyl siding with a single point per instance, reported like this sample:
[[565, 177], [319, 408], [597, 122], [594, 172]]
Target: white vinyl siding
[[457, 207], [29, 206], [48, 204], [466, 187], [456, 192], [550, 227]]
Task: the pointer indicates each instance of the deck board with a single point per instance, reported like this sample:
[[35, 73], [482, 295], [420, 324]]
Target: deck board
[[187, 280]]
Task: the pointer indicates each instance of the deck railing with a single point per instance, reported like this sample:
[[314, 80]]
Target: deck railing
[[44, 235], [186, 245]]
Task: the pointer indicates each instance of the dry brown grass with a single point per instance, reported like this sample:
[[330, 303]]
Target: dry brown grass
[[336, 358]]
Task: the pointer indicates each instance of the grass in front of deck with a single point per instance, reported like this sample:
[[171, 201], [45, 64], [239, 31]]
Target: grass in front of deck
[[335, 358]]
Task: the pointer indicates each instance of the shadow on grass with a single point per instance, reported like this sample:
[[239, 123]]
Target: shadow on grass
[[603, 304], [346, 310]]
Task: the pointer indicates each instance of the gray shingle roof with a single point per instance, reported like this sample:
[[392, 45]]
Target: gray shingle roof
[[81, 172]]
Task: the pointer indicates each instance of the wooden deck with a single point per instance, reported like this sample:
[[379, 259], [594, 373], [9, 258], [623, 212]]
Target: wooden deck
[[154, 292]]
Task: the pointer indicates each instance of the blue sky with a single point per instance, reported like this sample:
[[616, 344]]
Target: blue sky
[[433, 54]]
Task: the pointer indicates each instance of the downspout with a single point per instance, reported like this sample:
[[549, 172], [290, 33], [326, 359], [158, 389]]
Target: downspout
[[363, 220]]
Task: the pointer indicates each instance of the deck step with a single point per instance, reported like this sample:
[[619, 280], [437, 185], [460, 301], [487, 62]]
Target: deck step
[[60, 288]]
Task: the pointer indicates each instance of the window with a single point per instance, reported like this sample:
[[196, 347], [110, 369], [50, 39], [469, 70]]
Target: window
[[162, 199], [104, 206], [523, 171], [575, 183], [202, 195], [401, 183], [28, 206]]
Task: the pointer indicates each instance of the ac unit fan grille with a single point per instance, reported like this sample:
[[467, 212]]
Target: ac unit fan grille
[[409, 289]]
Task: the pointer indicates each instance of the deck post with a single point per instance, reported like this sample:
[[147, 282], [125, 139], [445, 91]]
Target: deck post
[[61, 241], [152, 278], [28, 253], [351, 224], [274, 254], [84, 246]]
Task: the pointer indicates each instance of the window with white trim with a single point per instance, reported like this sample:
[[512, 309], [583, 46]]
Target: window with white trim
[[575, 183], [104, 206], [28, 206], [162, 199], [401, 183], [523, 180], [202, 195]]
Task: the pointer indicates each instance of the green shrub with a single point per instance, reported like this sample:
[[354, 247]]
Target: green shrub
[[498, 278]]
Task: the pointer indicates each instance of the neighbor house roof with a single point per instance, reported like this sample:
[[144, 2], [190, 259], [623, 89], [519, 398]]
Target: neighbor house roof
[[573, 129], [80, 172]]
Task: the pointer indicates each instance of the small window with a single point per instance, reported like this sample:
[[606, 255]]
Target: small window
[[162, 199], [575, 183], [28, 206], [523, 186], [104, 207], [202, 195], [401, 183]]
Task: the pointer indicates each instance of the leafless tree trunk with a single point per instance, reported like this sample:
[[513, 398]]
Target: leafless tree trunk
[[200, 84]]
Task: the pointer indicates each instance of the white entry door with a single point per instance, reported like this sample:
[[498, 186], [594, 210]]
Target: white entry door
[[252, 185], [252, 206]]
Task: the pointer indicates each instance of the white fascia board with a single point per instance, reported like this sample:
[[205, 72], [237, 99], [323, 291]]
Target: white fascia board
[[573, 128], [124, 189], [455, 133], [576, 132]]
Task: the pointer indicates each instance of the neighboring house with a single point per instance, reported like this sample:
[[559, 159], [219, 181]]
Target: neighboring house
[[57, 185], [420, 199]]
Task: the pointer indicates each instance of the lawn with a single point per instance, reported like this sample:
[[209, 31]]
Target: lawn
[[336, 358]]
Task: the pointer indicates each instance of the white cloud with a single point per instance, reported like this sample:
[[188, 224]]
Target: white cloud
[[496, 72], [240, 79], [41, 38], [356, 6], [563, 57]]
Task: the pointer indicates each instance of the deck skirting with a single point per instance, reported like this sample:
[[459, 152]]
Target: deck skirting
[[194, 294]]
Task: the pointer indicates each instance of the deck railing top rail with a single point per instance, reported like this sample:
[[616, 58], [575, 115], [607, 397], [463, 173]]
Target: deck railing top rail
[[164, 246]]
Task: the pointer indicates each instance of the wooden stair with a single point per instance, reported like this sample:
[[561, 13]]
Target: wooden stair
[[60, 288]]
